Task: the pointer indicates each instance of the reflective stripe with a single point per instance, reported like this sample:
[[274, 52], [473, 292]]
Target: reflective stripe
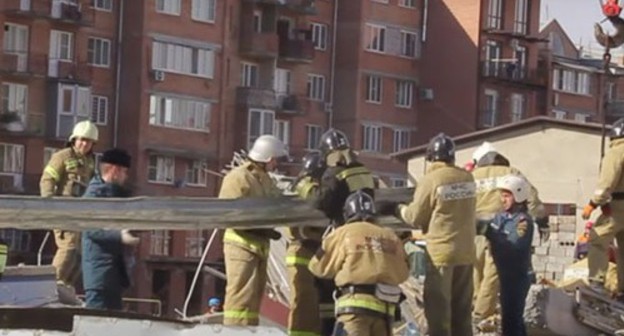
[[52, 172], [302, 333], [3, 257], [357, 178], [292, 261], [240, 314], [71, 163], [352, 171], [305, 190], [370, 304], [261, 248], [327, 306]]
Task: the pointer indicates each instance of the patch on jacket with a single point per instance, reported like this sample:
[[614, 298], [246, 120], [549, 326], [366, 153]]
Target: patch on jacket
[[522, 227], [457, 191]]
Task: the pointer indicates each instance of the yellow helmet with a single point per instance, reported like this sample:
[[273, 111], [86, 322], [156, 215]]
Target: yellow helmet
[[85, 129]]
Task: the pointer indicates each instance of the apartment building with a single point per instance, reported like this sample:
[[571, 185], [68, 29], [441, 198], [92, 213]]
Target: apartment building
[[578, 85], [480, 65], [57, 67], [377, 74]]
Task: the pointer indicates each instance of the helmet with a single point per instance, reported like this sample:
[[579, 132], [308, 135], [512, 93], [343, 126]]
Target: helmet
[[517, 186], [85, 129], [441, 148], [214, 302], [313, 164], [267, 147], [617, 130], [480, 152], [333, 139], [359, 206]]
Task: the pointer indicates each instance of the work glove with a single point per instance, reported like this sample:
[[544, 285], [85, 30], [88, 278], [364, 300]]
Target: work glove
[[606, 210], [274, 235], [544, 228], [588, 209], [387, 208], [268, 233], [128, 238]]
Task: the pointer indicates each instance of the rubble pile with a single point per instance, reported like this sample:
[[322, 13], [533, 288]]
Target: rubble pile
[[551, 258]]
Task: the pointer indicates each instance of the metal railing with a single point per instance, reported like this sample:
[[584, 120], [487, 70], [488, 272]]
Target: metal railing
[[512, 71]]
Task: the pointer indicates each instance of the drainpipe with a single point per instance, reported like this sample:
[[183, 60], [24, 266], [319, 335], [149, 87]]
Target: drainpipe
[[333, 66], [118, 74], [425, 17]]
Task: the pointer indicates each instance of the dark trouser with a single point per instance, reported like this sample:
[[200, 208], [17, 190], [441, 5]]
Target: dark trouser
[[326, 298], [514, 290], [101, 299]]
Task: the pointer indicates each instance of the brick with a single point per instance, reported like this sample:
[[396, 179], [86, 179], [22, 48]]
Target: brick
[[541, 250], [567, 236], [557, 251]]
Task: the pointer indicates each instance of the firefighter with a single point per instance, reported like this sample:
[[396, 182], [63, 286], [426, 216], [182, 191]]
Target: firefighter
[[368, 263], [344, 175], [490, 168], [305, 317], [510, 234], [444, 208], [105, 257], [246, 251], [67, 174], [4, 256], [609, 196]]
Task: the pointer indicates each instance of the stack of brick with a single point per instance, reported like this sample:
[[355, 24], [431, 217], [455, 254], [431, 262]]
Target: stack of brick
[[551, 258]]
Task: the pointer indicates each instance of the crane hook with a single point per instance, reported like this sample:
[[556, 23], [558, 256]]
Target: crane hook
[[610, 41]]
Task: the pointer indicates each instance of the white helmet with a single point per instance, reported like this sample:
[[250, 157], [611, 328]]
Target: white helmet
[[480, 152], [518, 186], [267, 147], [85, 129]]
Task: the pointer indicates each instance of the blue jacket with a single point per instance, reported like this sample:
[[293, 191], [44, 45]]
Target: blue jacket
[[510, 236], [103, 264]]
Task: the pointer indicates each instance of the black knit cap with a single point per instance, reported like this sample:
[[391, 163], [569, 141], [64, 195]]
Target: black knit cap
[[117, 157]]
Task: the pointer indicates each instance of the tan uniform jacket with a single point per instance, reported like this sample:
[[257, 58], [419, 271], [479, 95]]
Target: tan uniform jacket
[[444, 208], [361, 253], [248, 180], [489, 203], [304, 189], [611, 178], [65, 173]]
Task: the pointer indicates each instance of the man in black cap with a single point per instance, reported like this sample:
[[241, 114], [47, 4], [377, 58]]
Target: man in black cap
[[104, 261]]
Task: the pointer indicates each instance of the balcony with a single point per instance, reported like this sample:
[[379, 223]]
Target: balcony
[[267, 2], [247, 97], [512, 72], [22, 64], [62, 11], [259, 45], [63, 70], [615, 109], [296, 50], [293, 104], [304, 7], [22, 123]]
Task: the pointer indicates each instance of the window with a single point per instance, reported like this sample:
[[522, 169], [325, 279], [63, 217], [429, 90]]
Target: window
[[313, 136], [249, 75], [204, 10], [74, 105], [371, 140], [11, 158], [374, 90], [196, 173], [396, 182], [15, 39], [183, 59], [520, 56], [571, 81], [520, 21], [316, 87], [409, 42], [61, 46], [401, 140], [194, 246], [492, 54], [179, 113], [99, 109], [261, 122], [407, 3], [282, 131], [257, 21], [17, 240], [161, 169], [159, 243], [47, 154], [580, 117], [561, 115], [611, 91], [582, 82], [518, 105], [404, 93], [491, 108], [495, 14], [319, 36], [15, 100], [171, 7], [98, 52], [375, 38], [103, 5], [282, 84]]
